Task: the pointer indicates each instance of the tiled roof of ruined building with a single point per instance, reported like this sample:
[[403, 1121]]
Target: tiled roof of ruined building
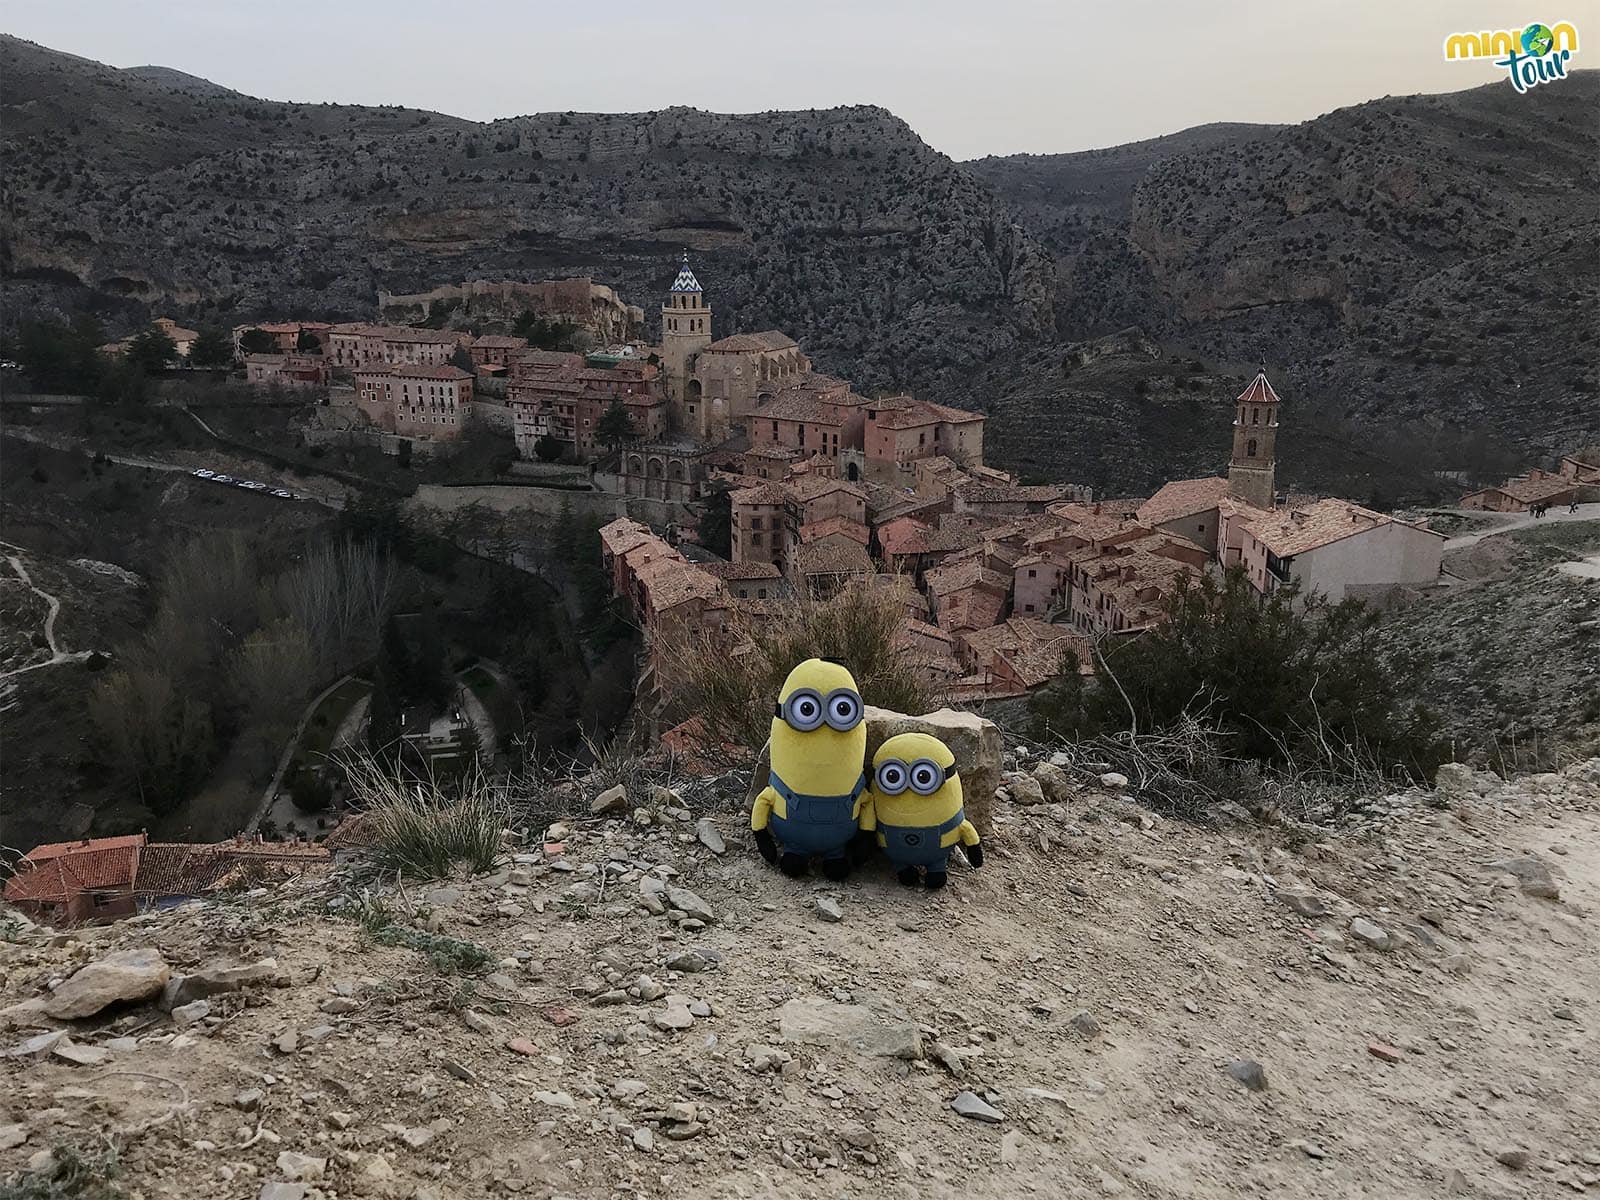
[[1183, 498], [1587, 456], [834, 555], [180, 869], [52, 873], [751, 343]]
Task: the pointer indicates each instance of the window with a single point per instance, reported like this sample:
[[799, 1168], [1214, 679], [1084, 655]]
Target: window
[[1250, 448], [755, 539], [1255, 416], [761, 593], [1032, 574]]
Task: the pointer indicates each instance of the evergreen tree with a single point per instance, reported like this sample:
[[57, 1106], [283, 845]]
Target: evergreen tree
[[212, 348], [257, 341], [151, 350], [614, 426]]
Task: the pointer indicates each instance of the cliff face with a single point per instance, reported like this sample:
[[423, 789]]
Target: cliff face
[[890, 263], [1422, 260]]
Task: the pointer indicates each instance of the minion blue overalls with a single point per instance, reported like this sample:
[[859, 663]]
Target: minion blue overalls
[[919, 845], [820, 825]]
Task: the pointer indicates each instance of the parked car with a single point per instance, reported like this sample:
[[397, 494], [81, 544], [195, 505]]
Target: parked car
[[282, 495], [252, 485], [202, 473], [223, 479]]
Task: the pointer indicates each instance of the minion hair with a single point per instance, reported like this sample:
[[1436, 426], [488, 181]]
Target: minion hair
[[838, 662]]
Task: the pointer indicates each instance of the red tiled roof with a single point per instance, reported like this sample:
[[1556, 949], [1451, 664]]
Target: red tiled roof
[[179, 869], [499, 341], [1183, 498], [1259, 391]]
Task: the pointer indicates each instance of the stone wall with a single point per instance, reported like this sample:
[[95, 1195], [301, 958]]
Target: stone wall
[[547, 501]]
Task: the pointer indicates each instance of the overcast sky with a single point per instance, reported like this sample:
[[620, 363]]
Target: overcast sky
[[972, 77]]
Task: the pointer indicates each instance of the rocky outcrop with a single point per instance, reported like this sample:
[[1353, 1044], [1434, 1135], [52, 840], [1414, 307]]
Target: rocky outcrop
[[125, 976]]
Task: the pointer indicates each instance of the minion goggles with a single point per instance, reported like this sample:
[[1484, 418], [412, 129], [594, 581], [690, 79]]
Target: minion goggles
[[806, 709], [923, 776]]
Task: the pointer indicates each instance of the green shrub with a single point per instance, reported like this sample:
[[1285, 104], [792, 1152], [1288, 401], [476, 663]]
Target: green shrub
[[1285, 680]]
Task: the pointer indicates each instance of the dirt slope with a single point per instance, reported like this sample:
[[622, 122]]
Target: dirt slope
[[1176, 942]]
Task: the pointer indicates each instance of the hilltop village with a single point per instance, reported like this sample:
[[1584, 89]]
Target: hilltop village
[[1003, 583]]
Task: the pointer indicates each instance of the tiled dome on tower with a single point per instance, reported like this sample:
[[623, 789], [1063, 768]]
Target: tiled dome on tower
[[685, 282]]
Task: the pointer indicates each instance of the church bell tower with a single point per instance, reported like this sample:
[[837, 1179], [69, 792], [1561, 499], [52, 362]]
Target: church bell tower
[[1252, 473], [685, 331]]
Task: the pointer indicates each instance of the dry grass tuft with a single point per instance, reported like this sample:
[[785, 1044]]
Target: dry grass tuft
[[732, 692], [420, 831]]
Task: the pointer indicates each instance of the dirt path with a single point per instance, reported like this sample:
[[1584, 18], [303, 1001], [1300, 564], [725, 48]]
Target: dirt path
[[1514, 521], [58, 653], [1094, 981]]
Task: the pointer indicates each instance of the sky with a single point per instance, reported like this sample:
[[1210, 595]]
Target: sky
[[972, 78]]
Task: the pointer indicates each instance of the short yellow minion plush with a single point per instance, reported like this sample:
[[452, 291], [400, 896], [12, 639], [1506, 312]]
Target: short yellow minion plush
[[811, 805], [914, 805]]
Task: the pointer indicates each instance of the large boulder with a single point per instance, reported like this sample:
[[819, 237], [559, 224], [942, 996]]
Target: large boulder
[[974, 740], [121, 977]]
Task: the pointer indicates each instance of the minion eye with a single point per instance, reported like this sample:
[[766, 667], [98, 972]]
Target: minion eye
[[804, 711], [892, 777], [844, 711], [926, 777]]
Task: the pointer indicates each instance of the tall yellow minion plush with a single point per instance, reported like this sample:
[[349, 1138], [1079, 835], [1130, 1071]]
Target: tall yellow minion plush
[[812, 802], [914, 805]]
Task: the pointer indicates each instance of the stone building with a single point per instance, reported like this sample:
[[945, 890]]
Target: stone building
[[663, 472], [286, 370], [433, 403], [1252, 473], [899, 430]]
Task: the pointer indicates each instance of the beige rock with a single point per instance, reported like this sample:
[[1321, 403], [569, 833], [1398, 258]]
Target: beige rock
[[120, 977]]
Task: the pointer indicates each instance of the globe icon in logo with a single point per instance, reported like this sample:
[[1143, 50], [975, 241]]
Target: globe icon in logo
[[1537, 40]]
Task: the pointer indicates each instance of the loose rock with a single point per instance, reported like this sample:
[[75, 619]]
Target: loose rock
[[120, 977], [974, 1106]]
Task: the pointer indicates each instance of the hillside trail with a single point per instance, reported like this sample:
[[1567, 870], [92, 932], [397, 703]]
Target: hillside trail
[[58, 653], [1585, 512], [1094, 981]]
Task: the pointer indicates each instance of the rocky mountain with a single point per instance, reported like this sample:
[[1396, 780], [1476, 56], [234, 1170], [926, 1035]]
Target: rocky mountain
[[890, 263], [1421, 259], [1415, 271]]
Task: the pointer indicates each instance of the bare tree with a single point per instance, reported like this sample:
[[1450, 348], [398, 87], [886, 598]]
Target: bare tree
[[340, 596]]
